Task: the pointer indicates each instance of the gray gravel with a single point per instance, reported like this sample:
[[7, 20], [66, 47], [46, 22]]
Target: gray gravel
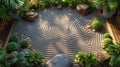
[[61, 32]]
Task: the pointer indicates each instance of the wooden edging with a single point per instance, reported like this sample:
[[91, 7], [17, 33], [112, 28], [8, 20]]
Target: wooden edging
[[9, 34], [110, 30]]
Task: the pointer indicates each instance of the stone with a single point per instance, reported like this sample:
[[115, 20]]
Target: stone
[[94, 30], [30, 47], [60, 60], [84, 9], [89, 27], [102, 56], [31, 16], [26, 51], [59, 7]]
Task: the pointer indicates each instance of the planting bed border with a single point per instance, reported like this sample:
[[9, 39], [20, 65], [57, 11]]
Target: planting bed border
[[5, 32], [113, 28]]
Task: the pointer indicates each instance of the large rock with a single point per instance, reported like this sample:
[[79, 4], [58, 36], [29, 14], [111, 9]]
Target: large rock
[[102, 56], [84, 9], [60, 60], [31, 16]]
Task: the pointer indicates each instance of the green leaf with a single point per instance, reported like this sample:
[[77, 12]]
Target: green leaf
[[14, 60], [14, 53]]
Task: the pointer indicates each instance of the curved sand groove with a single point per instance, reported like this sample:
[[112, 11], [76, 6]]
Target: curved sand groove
[[61, 32]]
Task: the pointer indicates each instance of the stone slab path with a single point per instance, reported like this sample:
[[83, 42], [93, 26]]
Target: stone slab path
[[61, 32]]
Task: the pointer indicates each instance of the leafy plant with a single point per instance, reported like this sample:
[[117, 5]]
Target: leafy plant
[[106, 42], [97, 24], [4, 13], [25, 8], [14, 38], [18, 60], [1, 43], [90, 60], [55, 1], [87, 59], [35, 59], [73, 3], [115, 61], [24, 43], [108, 4], [12, 46], [114, 51], [13, 4], [43, 4], [107, 35], [3, 57], [80, 58], [111, 49]]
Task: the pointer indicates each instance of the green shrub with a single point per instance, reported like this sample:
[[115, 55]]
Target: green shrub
[[14, 38], [12, 46], [24, 43], [107, 35], [35, 59], [87, 59], [114, 51], [18, 59], [3, 57], [96, 24], [107, 41]]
